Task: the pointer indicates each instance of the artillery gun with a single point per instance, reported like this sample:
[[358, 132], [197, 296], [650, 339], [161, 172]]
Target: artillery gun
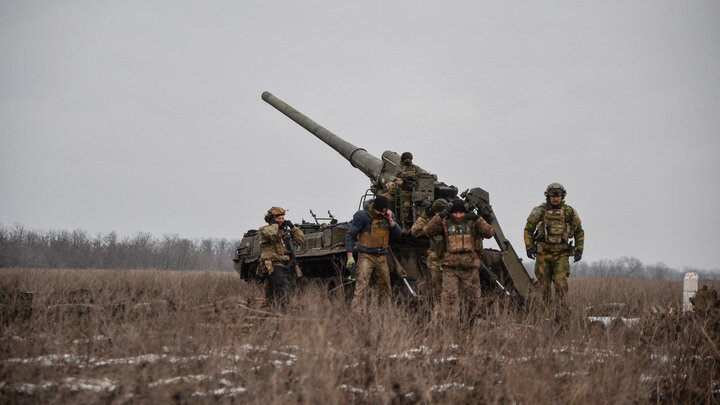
[[323, 253]]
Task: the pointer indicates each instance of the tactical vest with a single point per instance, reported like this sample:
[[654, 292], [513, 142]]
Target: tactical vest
[[459, 237], [437, 244], [379, 235], [274, 249], [553, 228], [404, 173]]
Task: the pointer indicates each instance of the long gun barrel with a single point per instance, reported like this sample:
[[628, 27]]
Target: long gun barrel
[[358, 157]]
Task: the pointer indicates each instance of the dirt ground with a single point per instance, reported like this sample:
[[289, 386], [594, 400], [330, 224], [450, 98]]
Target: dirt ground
[[102, 336]]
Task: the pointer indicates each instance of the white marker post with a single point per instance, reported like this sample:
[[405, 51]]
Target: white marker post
[[690, 287]]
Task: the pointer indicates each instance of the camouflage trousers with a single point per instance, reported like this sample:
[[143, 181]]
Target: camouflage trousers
[[553, 268], [405, 200], [435, 267], [375, 266], [456, 280]]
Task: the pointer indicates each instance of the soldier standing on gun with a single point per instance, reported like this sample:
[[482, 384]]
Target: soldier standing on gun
[[406, 174], [548, 231], [275, 255], [437, 247], [371, 229], [463, 232]]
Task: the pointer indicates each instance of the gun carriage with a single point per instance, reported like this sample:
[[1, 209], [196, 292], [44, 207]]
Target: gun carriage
[[322, 255]]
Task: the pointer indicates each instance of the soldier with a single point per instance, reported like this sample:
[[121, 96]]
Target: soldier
[[437, 246], [463, 232], [405, 177], [372, 229], [549, 229], [275, 254]]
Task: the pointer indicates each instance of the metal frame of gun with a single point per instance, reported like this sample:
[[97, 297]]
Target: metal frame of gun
[[493, 277], [402, 273], [407, 284], [513, 264], [330, 218]]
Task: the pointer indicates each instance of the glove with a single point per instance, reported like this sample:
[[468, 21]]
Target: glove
[[288, 224], [270, 219], [472, 216], [443, 214], [350, 263], [531, 252], [578, 255]]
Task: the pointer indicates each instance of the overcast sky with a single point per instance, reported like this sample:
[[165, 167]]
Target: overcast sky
[[146, 116]]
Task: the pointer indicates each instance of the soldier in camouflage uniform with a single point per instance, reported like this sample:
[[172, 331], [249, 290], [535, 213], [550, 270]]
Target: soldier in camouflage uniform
[[437, 246], [406, 174], [548, 231], [372, 228], [463, 232], [275, 255]]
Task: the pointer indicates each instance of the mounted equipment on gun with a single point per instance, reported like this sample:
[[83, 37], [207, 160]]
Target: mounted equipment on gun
[[323, 250]]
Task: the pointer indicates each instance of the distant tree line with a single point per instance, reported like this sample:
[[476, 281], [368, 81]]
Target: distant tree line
[[631, 267], [77, 249]]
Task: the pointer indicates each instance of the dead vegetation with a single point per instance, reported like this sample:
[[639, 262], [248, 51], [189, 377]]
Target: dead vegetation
[[151, 336]]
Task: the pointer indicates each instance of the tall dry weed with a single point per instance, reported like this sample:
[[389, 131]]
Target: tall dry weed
[[150, 336]]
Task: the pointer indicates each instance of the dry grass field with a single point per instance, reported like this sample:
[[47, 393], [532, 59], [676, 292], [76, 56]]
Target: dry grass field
[[150, 336]]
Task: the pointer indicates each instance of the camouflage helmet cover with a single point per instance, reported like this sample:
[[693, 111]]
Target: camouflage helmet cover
[[439, 204], [275, 211], [406, 155], [555, 189]]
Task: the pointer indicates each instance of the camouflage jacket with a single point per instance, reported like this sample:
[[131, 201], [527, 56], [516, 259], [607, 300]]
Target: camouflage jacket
[[553, 227], [437, 248], [272, 245], [417, 228], [402, 171], [466, 253], [403, 175]]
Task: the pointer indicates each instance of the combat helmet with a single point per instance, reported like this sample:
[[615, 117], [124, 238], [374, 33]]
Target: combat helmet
[[555, 189], [439, 205], [276, 211], [406, 155], [272, 213]]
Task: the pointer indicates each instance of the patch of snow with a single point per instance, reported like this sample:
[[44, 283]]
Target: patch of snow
[[220, 392], [449, 386], [607, 320], [410, 353], [70, 383], [184, 379], [572, 374], [445, 360]]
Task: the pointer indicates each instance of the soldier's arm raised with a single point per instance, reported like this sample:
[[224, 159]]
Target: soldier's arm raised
[[298, 236], [270, 232], [434, 227], [417, 228], [395, 231], [484, 229]]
